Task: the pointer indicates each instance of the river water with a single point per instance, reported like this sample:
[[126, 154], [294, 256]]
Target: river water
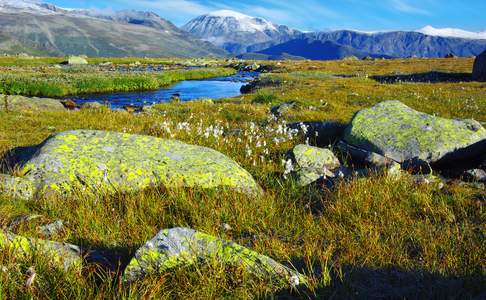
[[187, 90]]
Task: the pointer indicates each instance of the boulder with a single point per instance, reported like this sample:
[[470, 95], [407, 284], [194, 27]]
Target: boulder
[[179, 247], [413, 138], [314, 163], [77, 60], [479, 71], [21, 103], [100, 161], [67, 255]]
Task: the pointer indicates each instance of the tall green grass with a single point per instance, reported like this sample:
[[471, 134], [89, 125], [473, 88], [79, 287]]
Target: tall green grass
[[60, 83]]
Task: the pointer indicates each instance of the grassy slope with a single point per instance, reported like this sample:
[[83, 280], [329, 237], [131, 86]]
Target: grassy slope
[[369, 237]]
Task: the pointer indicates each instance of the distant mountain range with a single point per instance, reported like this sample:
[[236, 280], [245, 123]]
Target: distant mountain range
[[36, 28], [43, 29], [234, 31], [339, 44], [251, 37]]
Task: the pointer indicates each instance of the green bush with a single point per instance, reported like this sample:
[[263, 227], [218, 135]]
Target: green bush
[[265, 98]]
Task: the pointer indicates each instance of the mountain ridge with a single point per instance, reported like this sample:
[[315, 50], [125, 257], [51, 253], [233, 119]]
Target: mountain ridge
[[38, 28]]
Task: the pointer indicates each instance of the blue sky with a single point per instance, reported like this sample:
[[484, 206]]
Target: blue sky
[[317, 14]]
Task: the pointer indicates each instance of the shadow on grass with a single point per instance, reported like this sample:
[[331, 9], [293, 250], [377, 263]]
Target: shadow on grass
[[394, 283], [429, 77]]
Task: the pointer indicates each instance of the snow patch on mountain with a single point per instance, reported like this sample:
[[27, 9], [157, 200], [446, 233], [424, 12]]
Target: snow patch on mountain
[[453, 32], [231, 20]]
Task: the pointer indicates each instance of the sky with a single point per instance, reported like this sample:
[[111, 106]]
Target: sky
[[312, 15]]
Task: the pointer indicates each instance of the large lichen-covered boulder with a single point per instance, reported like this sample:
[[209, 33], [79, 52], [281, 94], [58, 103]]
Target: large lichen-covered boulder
[[105, 162], [314, 163], [77, 60], [413, 138], [66, 255], [21, 103], [479, 70], [179, 247]]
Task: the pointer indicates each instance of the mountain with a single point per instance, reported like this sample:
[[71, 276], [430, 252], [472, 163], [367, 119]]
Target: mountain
[[43, 29], [314, 49], [452, 32], [338, 44], [234, 31]]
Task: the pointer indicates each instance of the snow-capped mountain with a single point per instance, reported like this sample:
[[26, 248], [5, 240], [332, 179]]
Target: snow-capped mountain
[[453, 32], [39, 28], [235, 31]]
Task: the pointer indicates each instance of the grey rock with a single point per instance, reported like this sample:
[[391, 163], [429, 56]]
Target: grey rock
[[66, 255], [178, 247], [52, 228], [479, 70], [21, 103], [77, 60], [278, 110], [104, 162], [476, 175], [92, 106], [314, 163], [413, 138], [363, 157]]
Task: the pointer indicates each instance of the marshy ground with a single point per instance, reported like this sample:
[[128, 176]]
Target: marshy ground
[[372, 237]]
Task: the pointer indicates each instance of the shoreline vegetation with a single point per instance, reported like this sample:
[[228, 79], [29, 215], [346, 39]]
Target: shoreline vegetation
[[369, 237], [76, 81]]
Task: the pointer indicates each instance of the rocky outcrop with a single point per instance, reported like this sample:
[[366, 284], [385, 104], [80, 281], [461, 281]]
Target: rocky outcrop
[[178, 247], [413, 138], [479, 71], [105, 162]]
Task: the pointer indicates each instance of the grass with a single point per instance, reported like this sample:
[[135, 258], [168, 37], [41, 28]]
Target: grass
[[57, 83], [371, 237]]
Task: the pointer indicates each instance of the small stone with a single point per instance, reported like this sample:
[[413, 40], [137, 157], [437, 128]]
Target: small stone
[[52, 228], [227, 227], [92, 106], [475, 175], [314, 163]]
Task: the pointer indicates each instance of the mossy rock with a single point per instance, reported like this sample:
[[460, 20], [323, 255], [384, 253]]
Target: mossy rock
[[77, 60], [21, 103], [396, 131], [66, 255], [314, 163], [105, 162], [179, 247]]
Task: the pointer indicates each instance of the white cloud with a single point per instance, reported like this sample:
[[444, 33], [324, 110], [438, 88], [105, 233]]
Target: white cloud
[[404, 6]]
